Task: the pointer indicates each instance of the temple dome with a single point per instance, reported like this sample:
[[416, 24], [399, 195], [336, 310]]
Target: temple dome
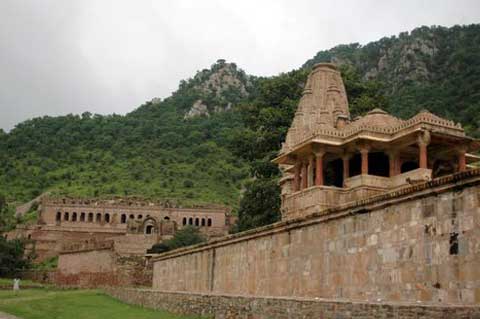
[[377, 118]]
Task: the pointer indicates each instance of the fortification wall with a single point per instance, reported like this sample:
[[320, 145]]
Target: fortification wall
[[419, 244]]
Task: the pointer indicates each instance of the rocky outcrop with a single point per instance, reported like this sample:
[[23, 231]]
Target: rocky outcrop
[[218, 89], [197, 109]]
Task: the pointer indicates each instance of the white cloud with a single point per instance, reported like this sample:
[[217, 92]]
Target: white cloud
[[59, 57]]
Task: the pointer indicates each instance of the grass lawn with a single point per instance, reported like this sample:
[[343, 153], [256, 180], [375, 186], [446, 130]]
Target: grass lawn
[[73, 304]]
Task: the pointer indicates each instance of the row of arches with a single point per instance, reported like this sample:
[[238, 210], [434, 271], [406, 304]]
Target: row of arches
[[97, 217], [83, 217], [199, 222]]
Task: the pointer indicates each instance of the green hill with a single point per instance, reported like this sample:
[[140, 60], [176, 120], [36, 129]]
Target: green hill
[[212, 140]]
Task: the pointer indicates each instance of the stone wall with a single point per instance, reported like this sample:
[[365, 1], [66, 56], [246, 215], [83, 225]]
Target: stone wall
[[419, 244], [101, 266], [248, 307]]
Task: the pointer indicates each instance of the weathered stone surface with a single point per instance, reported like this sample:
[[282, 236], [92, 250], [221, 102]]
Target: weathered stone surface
[[417, 244], [249, 307]]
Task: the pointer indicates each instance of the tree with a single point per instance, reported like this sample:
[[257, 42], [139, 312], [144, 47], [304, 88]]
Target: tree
[[260, 204], [187, 236], [12, 259]]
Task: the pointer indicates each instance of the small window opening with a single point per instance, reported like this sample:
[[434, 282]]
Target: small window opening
[[149, 230], [454, 244]]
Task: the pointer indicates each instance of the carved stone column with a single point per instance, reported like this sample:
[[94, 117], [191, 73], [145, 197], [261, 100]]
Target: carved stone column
[[392, 162], [346, 166], [364, 152], [311, 164], [423, 141], [296, 178], [319, 167], [462, 162], [304, 175]]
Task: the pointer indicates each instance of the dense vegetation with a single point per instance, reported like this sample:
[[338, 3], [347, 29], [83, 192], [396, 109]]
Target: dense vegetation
[[12, 258], [224, 156], [186, 236]]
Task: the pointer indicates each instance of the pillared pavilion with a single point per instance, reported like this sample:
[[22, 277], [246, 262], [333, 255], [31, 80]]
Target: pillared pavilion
[[329, 159]]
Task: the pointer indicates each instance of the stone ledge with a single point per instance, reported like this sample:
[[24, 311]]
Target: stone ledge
[[437, 186]]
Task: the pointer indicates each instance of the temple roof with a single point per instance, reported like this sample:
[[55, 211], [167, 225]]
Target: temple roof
[[323, 117], [376, 117]]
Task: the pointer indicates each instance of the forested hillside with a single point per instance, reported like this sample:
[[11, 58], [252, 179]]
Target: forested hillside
[[213, 139]]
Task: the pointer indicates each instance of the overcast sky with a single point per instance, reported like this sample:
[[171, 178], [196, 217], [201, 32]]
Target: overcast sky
[[59, 57]]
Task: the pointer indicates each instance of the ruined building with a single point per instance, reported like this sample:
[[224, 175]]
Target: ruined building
[[66, 224], [380, 219]]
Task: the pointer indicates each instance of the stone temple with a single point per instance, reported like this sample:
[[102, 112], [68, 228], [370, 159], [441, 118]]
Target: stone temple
[[330, 159]]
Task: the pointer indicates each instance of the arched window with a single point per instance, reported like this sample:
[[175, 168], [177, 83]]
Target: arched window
[[123, 219], [197, 222], [82, 217], [190, 221], [107, 218], [139, 217], [74, 216], [209, 223], [98, 218], [166, 218], [149, 230], [203, 221], [58, 217], [66, 216], [184, 222], [131, 216], [90, 217]]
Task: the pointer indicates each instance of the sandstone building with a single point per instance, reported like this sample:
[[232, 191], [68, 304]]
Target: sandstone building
[[133, 226], [328, 158], [375, 211]]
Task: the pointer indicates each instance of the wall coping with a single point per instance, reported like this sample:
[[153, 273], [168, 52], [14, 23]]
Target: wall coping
[[435, 186], [113, 290]]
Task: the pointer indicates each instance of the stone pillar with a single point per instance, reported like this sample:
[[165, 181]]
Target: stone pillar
[[423, 141], [364, 152], [319, 168], [398, 165], [462, 163], [304, 175], [311, 163], [296, 178], [392, 162], [346, 166]]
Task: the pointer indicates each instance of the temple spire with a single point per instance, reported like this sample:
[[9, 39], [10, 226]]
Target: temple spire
[[323, 103]]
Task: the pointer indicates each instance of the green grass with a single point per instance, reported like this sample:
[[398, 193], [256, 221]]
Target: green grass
[[73, 304], [9, 282]]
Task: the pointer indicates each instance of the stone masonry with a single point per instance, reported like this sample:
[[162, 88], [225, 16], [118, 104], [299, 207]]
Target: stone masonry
[[250, 307], [420, 245]]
